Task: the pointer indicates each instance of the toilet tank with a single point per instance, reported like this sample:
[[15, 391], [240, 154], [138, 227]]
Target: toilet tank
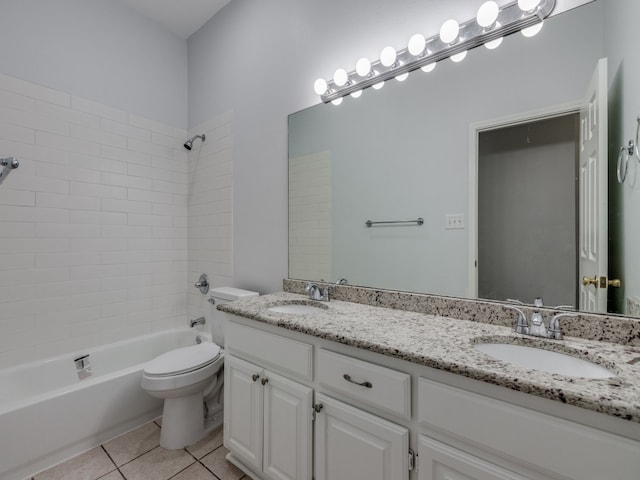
[[222, 295]]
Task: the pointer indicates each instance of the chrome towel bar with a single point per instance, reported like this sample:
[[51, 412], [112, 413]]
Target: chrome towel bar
[[419, 221]]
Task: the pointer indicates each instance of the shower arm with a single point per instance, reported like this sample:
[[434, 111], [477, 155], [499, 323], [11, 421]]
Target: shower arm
[[6, 165]]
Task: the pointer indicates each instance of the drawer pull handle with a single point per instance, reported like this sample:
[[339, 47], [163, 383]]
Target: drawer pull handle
[[348, 378], [265, 381], [255, 377]]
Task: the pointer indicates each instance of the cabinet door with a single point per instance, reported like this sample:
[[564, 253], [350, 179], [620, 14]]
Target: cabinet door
[[355, 445], [442, 462], [287, 428], [243, 412]]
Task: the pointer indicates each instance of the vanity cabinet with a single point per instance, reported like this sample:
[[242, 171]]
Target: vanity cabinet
[[268, 421], [439, 461]]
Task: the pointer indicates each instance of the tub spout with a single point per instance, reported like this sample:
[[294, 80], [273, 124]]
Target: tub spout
[[197, 321]]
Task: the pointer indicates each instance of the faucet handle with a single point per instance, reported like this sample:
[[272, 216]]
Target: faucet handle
[[554, 330], [522, 325]]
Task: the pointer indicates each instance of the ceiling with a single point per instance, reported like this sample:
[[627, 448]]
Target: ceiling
[[182, 17]]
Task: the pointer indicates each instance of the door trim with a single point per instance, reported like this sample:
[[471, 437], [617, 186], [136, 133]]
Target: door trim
[[474, 132]]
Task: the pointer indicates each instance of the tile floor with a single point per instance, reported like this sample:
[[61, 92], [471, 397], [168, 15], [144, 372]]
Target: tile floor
[[137, 455]]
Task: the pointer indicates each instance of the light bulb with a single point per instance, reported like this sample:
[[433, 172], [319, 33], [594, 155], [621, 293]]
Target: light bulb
[[532, 31], [449, 31], [458, 57], [337, 101], [388, 56], [428, 68], [402, 77], [493, 44], [416, 44], [487, 14], [528, 5], [340, 77], [320, 86], [363, 67], [356, 94], [378, 86]]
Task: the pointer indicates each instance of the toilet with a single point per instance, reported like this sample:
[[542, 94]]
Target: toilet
[[190, 380]]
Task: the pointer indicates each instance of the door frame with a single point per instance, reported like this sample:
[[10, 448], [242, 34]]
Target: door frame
[[474, 133]]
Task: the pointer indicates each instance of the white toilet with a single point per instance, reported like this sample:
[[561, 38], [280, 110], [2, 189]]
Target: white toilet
[[190, 380]]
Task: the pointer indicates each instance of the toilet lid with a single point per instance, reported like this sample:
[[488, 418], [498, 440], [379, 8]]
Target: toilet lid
[[183, 360]]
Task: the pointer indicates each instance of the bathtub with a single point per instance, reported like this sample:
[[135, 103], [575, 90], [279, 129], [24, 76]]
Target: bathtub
[[55, 408]]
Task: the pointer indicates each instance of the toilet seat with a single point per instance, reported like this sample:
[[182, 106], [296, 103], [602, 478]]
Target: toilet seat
[[183, 360]]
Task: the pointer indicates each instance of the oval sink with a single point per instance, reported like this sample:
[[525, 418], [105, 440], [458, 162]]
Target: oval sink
[[296, 308], [544, 360]]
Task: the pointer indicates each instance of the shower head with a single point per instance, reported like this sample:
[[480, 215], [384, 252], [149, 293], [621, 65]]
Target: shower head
[[6, 165], [189, 143]]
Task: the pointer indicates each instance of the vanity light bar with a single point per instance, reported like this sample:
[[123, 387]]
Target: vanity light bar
[[510, 19]]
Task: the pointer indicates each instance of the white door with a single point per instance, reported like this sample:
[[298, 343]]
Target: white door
[[442, 462], [355, 445], [593, 232], [287, 428], [243, 423]]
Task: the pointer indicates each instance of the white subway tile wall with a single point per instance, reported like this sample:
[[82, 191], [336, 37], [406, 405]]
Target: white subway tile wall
[[310, 252], [210, 207], [94, 222]]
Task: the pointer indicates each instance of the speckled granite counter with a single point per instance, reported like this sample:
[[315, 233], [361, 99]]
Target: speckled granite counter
[[447, 344]]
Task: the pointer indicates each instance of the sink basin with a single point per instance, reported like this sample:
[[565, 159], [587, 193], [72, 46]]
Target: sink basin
[[545, 360], [297, 308]]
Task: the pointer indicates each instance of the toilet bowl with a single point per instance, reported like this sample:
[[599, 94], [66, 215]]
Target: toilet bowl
[[189, 380]]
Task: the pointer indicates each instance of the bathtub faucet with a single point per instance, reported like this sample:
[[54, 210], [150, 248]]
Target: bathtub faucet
[[197, 321]]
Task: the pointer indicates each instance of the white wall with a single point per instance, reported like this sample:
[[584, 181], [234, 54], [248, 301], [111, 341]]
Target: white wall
[[93, 224], [621, 45], [262, 58], [100, 50]]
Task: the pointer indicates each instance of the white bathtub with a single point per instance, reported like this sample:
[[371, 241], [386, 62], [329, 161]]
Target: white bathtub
[[47, 414]]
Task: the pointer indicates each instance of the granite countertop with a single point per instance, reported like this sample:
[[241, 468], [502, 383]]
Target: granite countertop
[[447, 344]]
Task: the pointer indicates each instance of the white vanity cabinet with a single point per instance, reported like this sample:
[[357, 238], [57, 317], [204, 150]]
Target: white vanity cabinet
[[268, 417], [439, 461]]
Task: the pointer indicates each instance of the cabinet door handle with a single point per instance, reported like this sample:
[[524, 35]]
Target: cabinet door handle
[[255, 377], [348, 378], [318, 407], [265, 381]]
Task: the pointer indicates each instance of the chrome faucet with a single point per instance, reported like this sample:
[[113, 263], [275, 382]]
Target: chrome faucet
[[536, 327], [522, 325], [316, 293], [197, 321]]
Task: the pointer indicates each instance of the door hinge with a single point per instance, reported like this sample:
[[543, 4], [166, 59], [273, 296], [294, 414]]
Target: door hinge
[[412, 460]]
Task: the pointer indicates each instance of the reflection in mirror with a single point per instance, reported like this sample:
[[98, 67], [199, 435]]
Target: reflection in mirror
[[403, 152]]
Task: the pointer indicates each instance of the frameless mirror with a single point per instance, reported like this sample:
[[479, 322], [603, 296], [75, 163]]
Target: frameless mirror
[[407, 152]]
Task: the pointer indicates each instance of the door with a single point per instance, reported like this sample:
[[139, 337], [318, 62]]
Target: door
[[355, 445], [593, 231], [243, 423], [442, 462], [287, 428]]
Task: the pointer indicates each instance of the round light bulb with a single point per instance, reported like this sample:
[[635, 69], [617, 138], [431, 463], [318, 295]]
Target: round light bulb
[[428, 68], [532, 31], [363, 67], [493, 44], [356, 94], [458, 57], [337, 101], [388, 56], [416, 44], [378, 86], [487, 14], [528, 5], [340, 77], [320, 86], [402, 77], [449, 31]]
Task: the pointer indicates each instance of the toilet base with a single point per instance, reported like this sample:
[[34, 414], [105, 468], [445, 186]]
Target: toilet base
[[182, 422]]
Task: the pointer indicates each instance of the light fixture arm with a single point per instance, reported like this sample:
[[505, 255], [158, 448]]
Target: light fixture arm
[[511, 19]]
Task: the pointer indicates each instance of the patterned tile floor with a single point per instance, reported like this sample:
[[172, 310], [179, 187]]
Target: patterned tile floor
[[137, 455]]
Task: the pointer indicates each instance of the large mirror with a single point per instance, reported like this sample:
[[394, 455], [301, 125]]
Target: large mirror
[[412, 150]]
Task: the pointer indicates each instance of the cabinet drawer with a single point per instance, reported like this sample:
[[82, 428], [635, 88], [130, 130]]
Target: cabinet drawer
[[272, 351], [370, 384]]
